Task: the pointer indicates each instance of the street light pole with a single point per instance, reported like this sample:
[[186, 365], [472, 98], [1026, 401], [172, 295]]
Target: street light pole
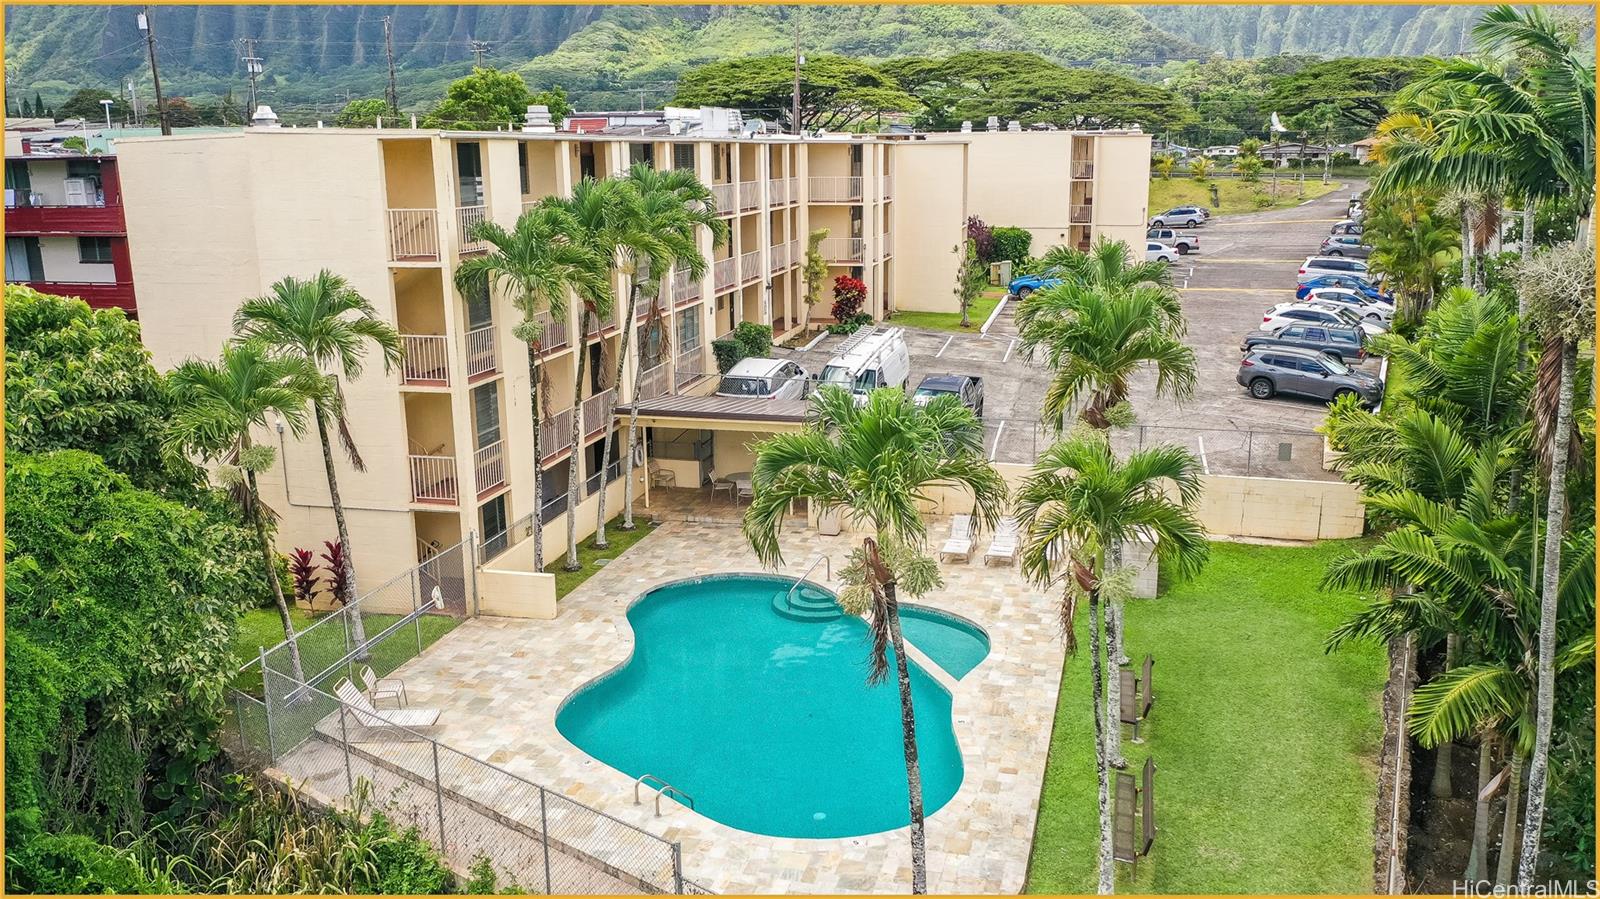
[[107, 105]]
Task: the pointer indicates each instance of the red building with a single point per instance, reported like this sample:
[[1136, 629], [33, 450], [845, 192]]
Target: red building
[[64, 228]]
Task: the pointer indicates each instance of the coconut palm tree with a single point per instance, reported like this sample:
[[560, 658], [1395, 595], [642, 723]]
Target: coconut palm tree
[[537, 264], [874, 464], [325, 321], [661, 214], [215, 406], [1077, 504], [1107, 265], [1094, 341]]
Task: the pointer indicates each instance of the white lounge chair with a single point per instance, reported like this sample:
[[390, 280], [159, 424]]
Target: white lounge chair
[[1004, 545], [366, 715], [960, 542], [379, 687]]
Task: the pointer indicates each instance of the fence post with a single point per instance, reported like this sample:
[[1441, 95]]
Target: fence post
[[677, 868], [438, 793], [544, 835], [344, 625], [266, 697], [344, 744], [472, 537], [1249, 450], [416, 603]]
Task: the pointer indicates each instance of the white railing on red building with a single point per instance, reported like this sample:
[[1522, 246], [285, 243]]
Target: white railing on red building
[[467, 218], [726, 196], [488, 464], [835, 188], [725, 274], [433, 479], [427, 359], [597, 410], [481, 357], [843, 249], [413, 235], [684, 287]]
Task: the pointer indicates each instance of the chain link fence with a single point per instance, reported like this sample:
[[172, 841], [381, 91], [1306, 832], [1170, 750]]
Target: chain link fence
[[1264, 453]]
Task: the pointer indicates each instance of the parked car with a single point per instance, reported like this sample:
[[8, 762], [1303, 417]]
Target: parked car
[[1331, 265], [1022, 285], [1344, 344], [967, 388], [1285, 314], [1348, 226], [1344, 245], [1159, 252], [1187, 216], [1354, 300], [775, 379], [1183, 243], [1266, 371], [879, 359], [1352, 282]]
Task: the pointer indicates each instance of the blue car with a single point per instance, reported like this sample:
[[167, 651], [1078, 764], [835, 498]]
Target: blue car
[[1023, 285], [1351, 282]]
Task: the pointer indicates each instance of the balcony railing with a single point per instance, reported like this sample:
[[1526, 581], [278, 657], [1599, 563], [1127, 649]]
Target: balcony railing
[[98, 294], [433, 479], [1082, 168], [750, 267], [554, 334], [726, 196], [1082, 213], [555, 434], [554, 507], [886, 244], [597, 410], [684, 288], [489, 467], [886, 186], [778, 192], [654, 382], [835, 189], [780, 257], [725, 274], [413, 235], [427, 360], [688, 366], [481, 357], [37, 219], [592, 485], [749, 195], [467, 217], [843, 249]]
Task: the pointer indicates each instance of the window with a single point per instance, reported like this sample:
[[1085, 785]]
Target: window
[[23, 260], [469, 174], [522, 165], [683, 156], [689, 330], [486, 413], [479, 313], [492, 519], [94, 250], [1316, 334], [645, 153]]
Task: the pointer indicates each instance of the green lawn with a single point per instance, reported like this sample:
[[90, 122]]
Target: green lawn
[[263, 627], [951, 321], [618, 542], [1236, 196], [1265, 746]]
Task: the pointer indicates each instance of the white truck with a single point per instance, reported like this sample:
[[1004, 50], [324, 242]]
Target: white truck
[[1184, 242]]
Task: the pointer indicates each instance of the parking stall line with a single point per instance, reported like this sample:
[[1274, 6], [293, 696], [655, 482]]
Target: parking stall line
[[1012, 346], [945, 347]]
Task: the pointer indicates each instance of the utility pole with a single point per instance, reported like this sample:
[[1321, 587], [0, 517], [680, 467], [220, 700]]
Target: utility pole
[[252, 66], [478, 49], [799, 61], [392, 96], [148, 27], [133, 103]]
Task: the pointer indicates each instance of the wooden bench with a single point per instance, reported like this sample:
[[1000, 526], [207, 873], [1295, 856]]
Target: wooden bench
[[1137, 696], [1133, 815]]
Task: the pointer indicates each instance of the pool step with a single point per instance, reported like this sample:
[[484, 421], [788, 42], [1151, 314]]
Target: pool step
[[807, 604]]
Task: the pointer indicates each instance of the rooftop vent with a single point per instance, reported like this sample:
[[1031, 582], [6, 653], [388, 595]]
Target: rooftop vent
[[966, 127], [1014, 126], [537, 120], [994, 123], [264, 118]]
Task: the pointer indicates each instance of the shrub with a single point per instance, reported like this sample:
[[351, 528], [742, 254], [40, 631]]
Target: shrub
[[726, 349], [334, 557], [848, 295], [1010, 244], [851, 324], [982, 235], [1261, 200], [754, 340]]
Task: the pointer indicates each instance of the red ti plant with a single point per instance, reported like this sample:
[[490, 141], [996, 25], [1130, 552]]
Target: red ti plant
[[334, 558], [303, 569], [848, 295]]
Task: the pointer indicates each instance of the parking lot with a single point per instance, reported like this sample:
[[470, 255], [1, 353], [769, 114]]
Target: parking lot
[[1246, 264]]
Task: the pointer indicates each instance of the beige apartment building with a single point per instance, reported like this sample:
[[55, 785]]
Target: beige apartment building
[[448, 437]]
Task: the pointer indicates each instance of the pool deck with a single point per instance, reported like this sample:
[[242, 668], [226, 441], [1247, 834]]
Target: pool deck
[[499, 681]]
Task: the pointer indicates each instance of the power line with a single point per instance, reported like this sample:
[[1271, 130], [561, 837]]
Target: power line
[[252, 66], [478, 49]]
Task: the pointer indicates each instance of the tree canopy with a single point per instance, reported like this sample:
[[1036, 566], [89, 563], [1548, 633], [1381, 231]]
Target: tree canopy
[[488, 98], [363, 113], [836, 92], [85, 104], [1362, 87]]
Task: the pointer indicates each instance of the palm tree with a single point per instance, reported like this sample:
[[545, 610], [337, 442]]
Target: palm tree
[[1078, 503], [1107, 265], [874, 463], [1412, 245], [1095, 340], [326, 322], [661, 215], [537, 263], [216, 404]]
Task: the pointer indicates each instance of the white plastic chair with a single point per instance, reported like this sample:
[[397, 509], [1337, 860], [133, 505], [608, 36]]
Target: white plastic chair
[[960, 542], [369, 716]]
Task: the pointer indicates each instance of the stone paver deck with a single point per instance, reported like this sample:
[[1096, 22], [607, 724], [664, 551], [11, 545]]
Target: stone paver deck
[[499, 682]]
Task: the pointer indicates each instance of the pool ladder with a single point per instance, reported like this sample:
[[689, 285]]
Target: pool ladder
[[823, 559], [663, 788]]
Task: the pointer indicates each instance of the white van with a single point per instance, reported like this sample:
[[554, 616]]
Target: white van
[[878, 358]]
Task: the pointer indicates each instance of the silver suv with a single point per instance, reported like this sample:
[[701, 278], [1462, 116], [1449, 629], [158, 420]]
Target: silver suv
[[1269, 370]]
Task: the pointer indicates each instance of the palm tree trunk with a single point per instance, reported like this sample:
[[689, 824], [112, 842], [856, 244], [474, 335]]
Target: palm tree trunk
[[1544, 707], [1444, 753], [1466, 248], [908, 730], [1508, 833], [269, 558], [605, 448], [538, 467], [358, 633], [633, 437], [575, 462], [1107, 874], [1113, 709], [1527, 252], [1478, 859]]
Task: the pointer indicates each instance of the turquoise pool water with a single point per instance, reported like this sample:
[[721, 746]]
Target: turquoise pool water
[[766, 721], [954, 643]]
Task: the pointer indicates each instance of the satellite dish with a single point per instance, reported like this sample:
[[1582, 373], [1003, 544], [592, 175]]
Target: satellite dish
[[1277, 125]]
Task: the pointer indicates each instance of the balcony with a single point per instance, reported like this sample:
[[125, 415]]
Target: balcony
[[749, 195], [433, 479], [655, 381], [592, 485], [843, 249], [886, 186], [555, 435], [1082, 213], [725, 274], [98, 294], [780, 257], [427, 360], [688, 367], [684, 288], [597, 412], [778, 192], [1082, 169], [413, 235], [553, 334], [886, 245], [726, 196], [467, 218], [835, 189], [750, 267], [481, 357], [489, 468], [44, 220]]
